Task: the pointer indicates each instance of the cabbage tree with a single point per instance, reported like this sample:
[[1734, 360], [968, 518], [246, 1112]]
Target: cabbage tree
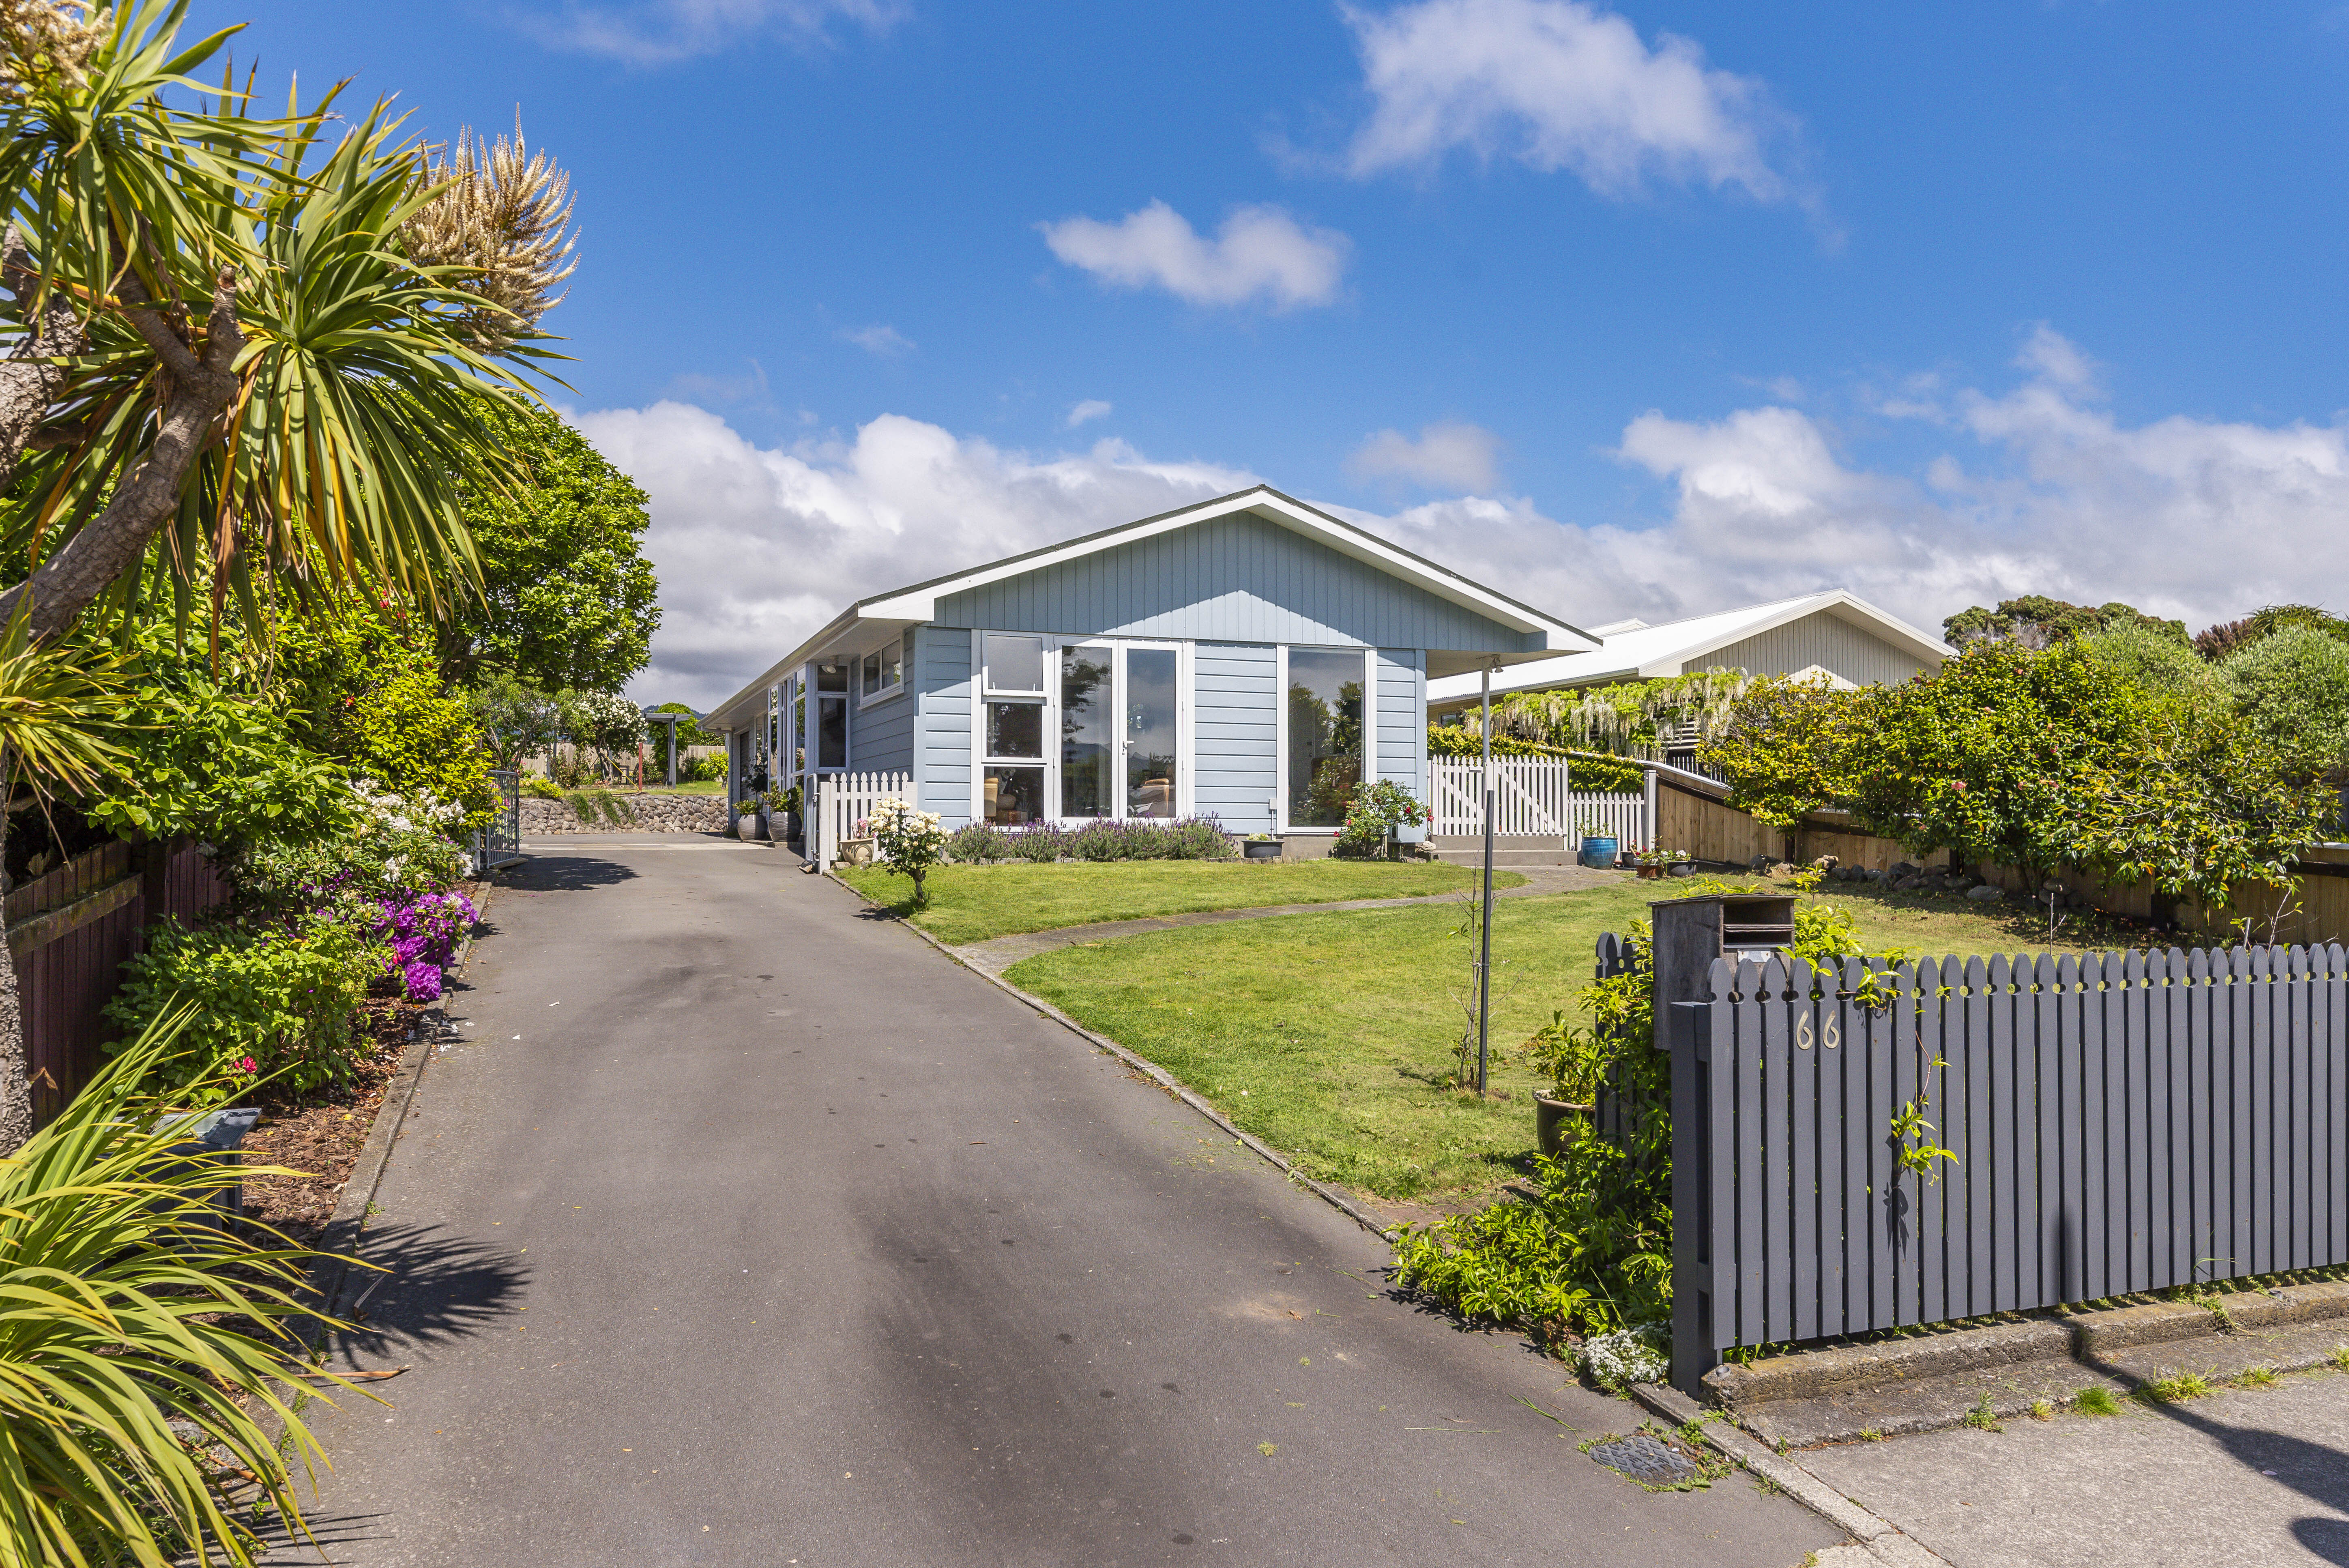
[[242, 347]]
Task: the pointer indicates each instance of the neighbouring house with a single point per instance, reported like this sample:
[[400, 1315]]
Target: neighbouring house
[[1249, 658], [1834, 637]]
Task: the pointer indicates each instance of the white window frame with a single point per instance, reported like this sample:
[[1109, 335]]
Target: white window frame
[[1185, 719], [1280, 731], [889, 692], [816, 698]]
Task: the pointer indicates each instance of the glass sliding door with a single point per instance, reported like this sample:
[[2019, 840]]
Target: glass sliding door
[[1152, 736], [1088, 733], [1325, 733]]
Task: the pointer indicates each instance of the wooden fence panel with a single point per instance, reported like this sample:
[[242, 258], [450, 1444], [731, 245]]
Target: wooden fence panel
[[70, 933], [2122, 1122]]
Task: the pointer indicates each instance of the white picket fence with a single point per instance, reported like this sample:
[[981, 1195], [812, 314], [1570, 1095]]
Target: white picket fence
[[842, 802], [1533, 798]]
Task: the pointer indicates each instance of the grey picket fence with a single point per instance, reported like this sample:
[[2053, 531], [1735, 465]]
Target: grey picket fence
[[2119, 1122]]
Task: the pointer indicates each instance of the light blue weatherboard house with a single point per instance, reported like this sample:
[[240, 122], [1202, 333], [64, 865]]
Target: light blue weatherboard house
[[1245, 658]]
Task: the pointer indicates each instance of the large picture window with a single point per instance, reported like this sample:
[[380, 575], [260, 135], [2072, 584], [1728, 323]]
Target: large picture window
[[1068, 730], [1325, 733]]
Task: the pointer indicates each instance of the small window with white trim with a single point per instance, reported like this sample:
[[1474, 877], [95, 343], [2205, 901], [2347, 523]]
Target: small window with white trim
[[884, 671], [1015, 665]]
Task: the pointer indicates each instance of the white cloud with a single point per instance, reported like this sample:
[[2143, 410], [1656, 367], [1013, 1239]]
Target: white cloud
[[1260, 253], [663, 31], [1557, 84], [886, 341], [2041, 491], [1091, 408], [756, 547], [1446, 455], [2056, 358]]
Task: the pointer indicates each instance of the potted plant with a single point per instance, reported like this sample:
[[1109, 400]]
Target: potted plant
[[1654, 864], [1378, 813], [856, 849], [791, 823], [1262, 846], [1599, 846], [775, 815], [1570, 1057], [746, 819]]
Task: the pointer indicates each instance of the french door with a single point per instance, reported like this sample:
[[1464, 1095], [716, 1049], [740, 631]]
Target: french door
[[1123, 745]]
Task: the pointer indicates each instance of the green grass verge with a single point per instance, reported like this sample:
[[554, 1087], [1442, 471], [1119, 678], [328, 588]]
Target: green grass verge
[[972, 903], [1331, 1036]]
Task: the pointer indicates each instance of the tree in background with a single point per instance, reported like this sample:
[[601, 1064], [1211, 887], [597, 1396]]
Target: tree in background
[[2218, 642], [2151, 661], [2038, 760], [568, 599], [363, 687], [689, 731], [1631, 719], [2036, 621], [2292, 688]]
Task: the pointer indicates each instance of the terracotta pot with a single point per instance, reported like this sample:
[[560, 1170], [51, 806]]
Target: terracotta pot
[[1651, 873]]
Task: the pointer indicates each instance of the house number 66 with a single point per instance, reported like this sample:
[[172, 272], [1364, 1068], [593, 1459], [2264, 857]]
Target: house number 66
[[1827, 1037]]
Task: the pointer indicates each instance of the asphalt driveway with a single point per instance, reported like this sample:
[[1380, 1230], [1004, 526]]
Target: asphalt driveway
[[744, 1228]]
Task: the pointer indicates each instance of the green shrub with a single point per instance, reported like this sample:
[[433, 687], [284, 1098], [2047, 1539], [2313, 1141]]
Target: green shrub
[[277, 996], [538, 786], [141, 1338]]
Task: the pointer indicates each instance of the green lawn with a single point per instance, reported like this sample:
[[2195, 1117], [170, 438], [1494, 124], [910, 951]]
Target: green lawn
[[971, 903], [1331, 1036]]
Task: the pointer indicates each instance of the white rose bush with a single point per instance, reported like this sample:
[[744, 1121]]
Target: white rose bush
[[909, 841]]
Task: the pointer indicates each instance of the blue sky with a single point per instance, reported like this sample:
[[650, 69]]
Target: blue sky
[[1639, 311]]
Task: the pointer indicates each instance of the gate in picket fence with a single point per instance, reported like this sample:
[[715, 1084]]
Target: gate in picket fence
[[840, 803], [1532, 798], [2116, 1123]]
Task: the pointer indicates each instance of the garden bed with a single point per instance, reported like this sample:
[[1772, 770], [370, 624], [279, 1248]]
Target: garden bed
[[320, 1135], [972, 903]]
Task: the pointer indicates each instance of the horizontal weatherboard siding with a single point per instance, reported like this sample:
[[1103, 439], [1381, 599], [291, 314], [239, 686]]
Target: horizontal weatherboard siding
[[1239, 579], [881, 738], [942, 688]]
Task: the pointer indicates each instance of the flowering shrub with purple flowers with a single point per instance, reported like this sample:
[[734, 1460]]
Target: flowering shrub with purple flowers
[[419, 933]]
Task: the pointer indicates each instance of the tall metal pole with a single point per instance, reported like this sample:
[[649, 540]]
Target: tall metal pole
[[1485, 956]]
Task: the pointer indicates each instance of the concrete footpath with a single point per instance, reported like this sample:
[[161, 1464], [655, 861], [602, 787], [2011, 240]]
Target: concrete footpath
[[746, 1228], [2246, 1477]]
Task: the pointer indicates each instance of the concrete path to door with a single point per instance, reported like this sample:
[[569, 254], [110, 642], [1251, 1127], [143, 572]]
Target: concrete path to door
[[745, 1227]]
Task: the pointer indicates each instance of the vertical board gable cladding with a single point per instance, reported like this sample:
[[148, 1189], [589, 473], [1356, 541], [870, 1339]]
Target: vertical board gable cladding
[[942, 691], [1822, 639], [1235, 579], [1235, 738]]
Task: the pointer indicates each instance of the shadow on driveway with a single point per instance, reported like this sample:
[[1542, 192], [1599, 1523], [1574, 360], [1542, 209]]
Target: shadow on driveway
[[434, 1289], [567, 874]]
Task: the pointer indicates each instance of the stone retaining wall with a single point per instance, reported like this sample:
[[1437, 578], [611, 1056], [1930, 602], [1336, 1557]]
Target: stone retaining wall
[[651, 814]]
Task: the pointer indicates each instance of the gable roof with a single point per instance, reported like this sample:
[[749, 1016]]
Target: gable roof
[[917, 603], [1634, 651]]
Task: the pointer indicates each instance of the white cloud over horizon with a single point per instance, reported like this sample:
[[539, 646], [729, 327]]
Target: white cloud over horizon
[[653, 33], [1446, 455], [2042, 490], [1558, 84], [1260, 253], [756, 547]]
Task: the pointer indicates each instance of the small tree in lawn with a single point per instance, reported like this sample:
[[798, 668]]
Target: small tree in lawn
[[910, 841]]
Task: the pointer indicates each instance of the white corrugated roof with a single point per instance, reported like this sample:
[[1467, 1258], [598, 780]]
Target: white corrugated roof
[[1650, 651]]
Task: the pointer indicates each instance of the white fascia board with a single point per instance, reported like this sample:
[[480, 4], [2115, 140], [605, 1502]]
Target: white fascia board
[[1845, 606], [920, 603]]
